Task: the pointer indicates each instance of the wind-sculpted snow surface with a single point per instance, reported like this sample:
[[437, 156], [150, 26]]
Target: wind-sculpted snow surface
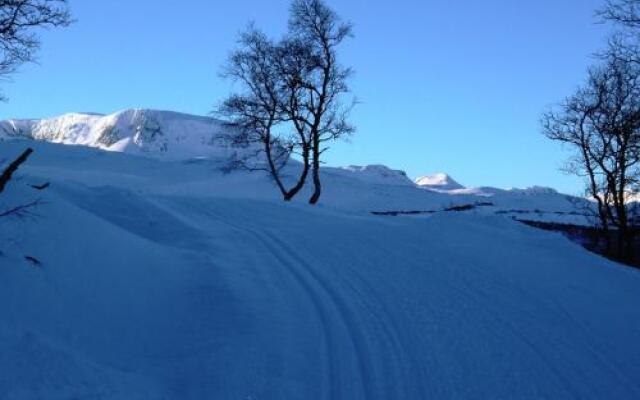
[[159, 281]]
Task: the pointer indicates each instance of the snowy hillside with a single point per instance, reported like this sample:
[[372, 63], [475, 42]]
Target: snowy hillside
[[162, 134], [375, 188], [167, 279]]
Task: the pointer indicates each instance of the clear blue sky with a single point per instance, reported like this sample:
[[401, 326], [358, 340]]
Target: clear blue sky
[[446, 85]]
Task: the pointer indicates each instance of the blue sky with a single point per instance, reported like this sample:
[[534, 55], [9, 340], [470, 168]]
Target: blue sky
[[445, 85]]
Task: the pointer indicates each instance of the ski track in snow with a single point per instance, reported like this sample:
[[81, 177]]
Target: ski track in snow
[[149, 293], [335, 302], [337, 322]]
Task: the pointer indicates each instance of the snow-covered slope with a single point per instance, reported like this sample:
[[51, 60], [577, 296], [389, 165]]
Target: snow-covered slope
[[163, 134], [183, 138], [180, 137], [169, 280]]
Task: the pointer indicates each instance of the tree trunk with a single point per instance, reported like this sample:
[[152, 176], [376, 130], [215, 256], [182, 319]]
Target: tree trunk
[[317, 185], [272, 167], [303, 176]]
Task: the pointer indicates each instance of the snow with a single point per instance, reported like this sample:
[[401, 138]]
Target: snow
[[438, 181], [152, 133], [536, 190], [379, 174], [34, 367], [164, 278], [202, 141]]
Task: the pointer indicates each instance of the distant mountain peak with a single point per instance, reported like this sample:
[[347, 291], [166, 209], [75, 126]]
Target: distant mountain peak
[[439, 181], [380, 174]]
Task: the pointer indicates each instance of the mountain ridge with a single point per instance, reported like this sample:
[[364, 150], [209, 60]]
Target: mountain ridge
[[177, 136], [156, 133]]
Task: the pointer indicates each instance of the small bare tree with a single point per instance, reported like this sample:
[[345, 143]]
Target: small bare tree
[[318, 30], [293, 92], [601, 122], [268, 76]]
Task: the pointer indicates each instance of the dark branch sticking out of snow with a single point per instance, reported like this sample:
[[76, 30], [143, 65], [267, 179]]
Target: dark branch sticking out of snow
[[34, 261], [41, 187], [7, 174]]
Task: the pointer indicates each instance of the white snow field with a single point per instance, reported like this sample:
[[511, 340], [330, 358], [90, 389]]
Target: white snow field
[[167, 279]]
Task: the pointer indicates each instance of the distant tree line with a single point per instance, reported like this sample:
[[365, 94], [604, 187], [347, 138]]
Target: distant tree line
[[293, 92], [601, 123]]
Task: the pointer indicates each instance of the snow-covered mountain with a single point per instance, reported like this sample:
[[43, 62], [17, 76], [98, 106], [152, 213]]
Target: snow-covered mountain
[[163, 134], [177, 137], [438, 181], [379, 175]]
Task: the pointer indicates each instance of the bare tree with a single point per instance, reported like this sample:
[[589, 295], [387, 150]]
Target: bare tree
[[265, 70], [624, 43], [623, 12], [601, 122], [315, 27], [293, 92]]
